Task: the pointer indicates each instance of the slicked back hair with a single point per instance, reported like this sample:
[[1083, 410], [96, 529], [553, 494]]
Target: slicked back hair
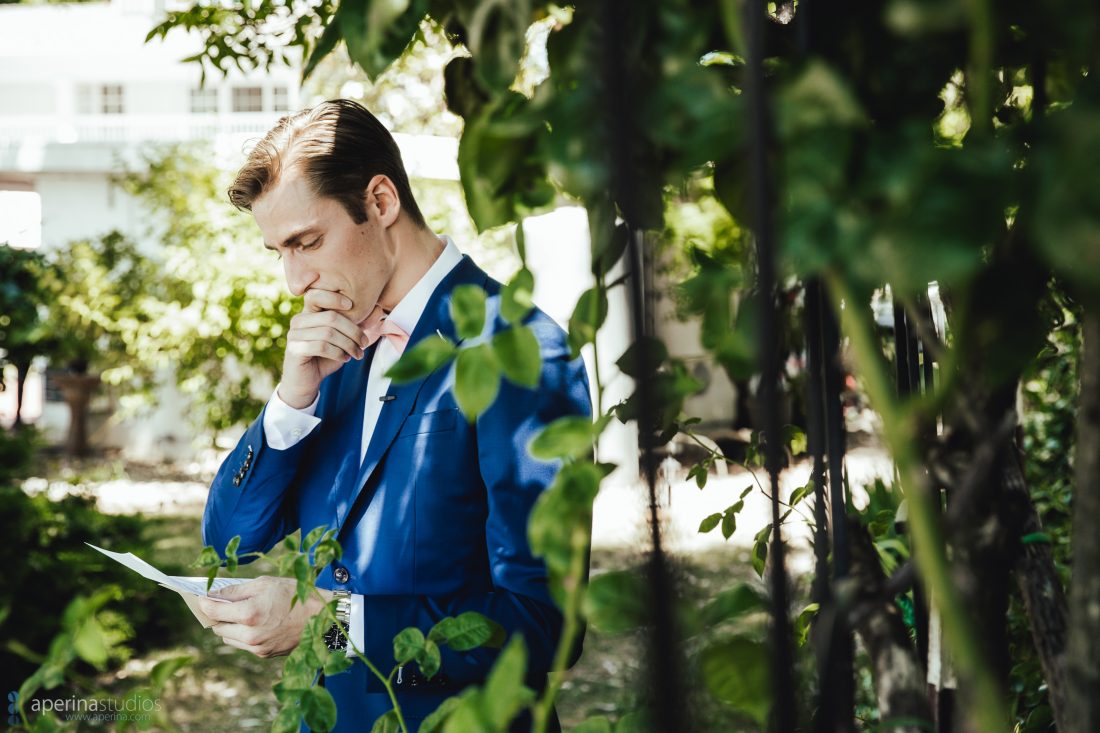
[[339, 147]]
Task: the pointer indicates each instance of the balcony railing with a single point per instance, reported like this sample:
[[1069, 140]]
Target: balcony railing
[[132, 128]]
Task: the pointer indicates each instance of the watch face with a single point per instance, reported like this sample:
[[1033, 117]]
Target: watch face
[[334, 639]]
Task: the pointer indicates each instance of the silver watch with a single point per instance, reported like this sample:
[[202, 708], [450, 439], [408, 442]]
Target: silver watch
[[337, 635]]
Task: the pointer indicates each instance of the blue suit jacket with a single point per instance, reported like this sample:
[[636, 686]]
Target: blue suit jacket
[[434, 522]]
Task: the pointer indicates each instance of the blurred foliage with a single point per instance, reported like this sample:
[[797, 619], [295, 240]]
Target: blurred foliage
[[911, 142], [22, 305], [48, 566], [1049, 394], [101, 295]]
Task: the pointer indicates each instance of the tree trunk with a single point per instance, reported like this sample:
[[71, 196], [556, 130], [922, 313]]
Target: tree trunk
[[1083, 653], [77, 390], [1042, 592], [900, 688], [21, 371]]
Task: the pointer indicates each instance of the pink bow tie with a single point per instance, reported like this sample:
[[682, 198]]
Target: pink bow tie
[[377, 325]]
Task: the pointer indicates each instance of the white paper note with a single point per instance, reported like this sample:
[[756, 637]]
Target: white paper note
[[188, 587]]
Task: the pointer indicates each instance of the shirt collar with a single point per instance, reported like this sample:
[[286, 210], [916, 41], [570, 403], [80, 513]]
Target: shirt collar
[[406, 314]]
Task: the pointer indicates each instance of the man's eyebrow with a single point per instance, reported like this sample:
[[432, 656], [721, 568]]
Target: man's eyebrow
[[294, 238]]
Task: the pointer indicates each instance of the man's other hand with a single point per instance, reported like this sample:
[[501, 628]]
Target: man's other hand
[[321, 339], [259, 619]]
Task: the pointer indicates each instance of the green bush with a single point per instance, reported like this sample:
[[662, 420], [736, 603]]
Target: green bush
[[46, 564]]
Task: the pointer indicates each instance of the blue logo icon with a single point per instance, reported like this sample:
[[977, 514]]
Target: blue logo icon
[[13, 708]]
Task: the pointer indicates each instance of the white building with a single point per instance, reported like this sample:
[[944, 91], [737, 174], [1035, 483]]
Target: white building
[[80, 93]]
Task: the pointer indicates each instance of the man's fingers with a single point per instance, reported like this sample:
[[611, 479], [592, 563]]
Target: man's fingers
[[238, 612], [308, 349], [320, 300], [258, 649], [330, 335], [236, 591], [338, 322]]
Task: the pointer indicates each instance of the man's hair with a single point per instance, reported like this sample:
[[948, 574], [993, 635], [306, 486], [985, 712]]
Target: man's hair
[[338, 146]]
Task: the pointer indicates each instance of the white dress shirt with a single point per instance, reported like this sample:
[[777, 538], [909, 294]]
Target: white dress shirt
[[285, 426]]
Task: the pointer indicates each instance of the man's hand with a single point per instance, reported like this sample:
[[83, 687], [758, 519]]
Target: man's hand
[[321, 339], [260, 619]]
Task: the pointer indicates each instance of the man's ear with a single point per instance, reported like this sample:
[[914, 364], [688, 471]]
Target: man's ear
[[381, 198]]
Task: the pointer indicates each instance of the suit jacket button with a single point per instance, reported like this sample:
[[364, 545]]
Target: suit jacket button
[[236, 480], [341, 575]]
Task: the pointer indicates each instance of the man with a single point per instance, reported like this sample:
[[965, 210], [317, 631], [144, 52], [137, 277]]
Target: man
[[431, 510]]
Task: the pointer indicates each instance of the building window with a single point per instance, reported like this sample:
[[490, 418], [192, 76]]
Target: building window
[[84, 103], [112, 100], [280, 99], [248, 99], [204, 101]]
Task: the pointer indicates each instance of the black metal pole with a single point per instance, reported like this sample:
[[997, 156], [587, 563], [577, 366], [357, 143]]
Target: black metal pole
[[667, 699], [784, 711]]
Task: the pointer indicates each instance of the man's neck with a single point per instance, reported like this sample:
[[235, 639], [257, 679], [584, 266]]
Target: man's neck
[[415, 256]]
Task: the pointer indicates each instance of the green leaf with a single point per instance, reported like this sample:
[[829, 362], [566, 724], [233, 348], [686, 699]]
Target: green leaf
[[468, 631], [421, 360], [587, 318], [337, 662], [710, 522], [288, 720], [326, 552], [163, 670], [617, 601], [736, 671], [804, 621], [794, 438], [231, 554], [377, 32], [429, 659], [1035, 537], [386, 723], [517, 352], [643, 357], [733, 603], [326, 44], [314, 536], [729, 523], [468, 714], [468, 310], [408, 645], [635, 722], [434, 722], [477, 380], [801, 493], [818, 97], [505, 695], [760, 550], [208, 558], [319, 709], [517, 297], [565, 505], [567, 437], [90, 643], [599, 724]]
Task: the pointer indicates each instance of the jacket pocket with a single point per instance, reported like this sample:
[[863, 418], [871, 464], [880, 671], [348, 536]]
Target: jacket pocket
[[429, 422]]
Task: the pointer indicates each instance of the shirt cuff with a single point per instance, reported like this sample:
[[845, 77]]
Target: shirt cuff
[[357, 630], [286, 426]]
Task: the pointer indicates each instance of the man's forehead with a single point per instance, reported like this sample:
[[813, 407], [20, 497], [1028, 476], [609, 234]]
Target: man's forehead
[[288, 211]]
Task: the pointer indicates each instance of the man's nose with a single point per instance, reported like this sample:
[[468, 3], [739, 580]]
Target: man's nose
[[299, 276]]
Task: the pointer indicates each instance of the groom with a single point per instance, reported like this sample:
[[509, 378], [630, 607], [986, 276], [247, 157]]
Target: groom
[[431, 510]]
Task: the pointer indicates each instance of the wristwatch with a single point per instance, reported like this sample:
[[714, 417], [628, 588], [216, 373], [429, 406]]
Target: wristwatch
[[336, 637]]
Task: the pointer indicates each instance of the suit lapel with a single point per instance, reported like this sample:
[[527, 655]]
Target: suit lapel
[[436, 317]]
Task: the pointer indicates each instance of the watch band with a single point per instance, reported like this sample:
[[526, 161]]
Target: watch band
[[336, 637]]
